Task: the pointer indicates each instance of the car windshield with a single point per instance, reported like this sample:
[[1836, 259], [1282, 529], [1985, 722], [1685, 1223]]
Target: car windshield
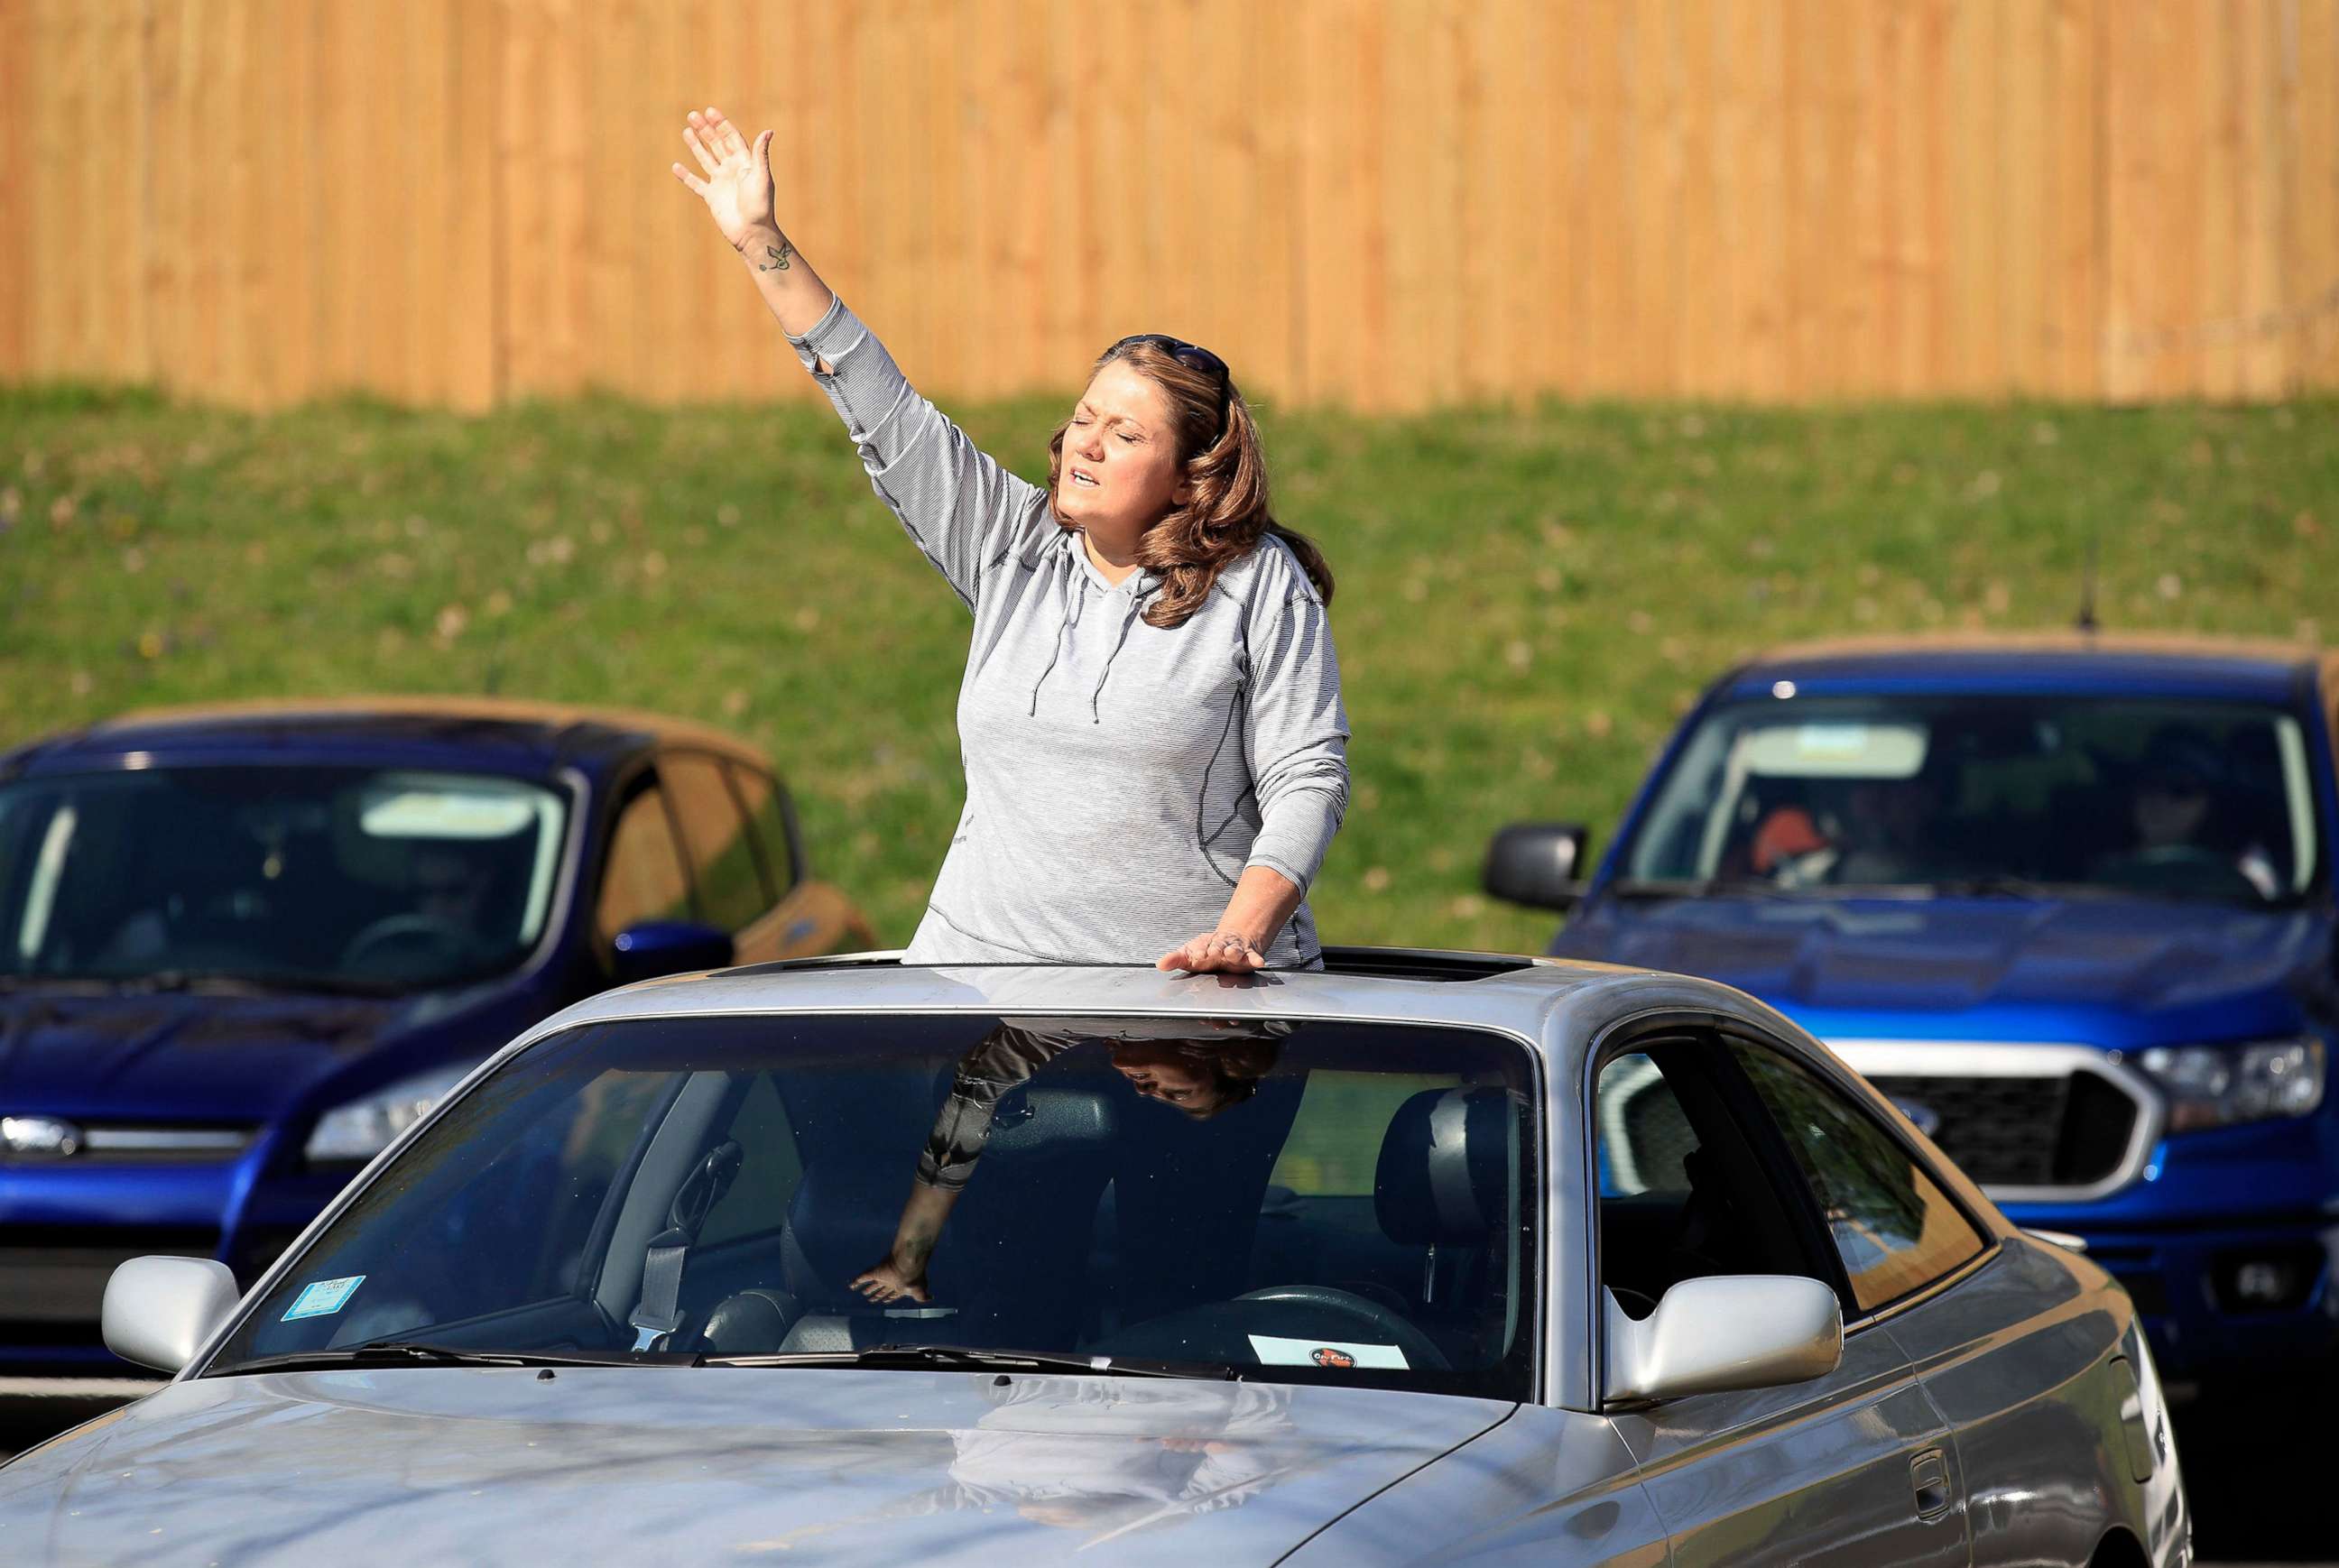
[[1989, 794], [362, 878], [1311, 1202]]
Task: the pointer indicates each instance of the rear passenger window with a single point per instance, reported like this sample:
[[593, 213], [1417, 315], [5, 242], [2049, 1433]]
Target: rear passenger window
[[1682, 1192], [715, 836], [1896, 1230], [644, 879], [767, 816]]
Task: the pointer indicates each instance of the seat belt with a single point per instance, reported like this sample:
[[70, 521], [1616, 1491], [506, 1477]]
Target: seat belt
[[659, 1313]]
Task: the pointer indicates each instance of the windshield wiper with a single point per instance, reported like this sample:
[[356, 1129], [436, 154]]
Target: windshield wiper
[[412, 1353], [1701, 887], [959, 1358], [2004, 885], [229, 982]]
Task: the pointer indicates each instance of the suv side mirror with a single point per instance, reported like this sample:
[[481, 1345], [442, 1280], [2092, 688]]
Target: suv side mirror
[[659, 947], [1536, 863], [159, 1311], [1722, 1332]]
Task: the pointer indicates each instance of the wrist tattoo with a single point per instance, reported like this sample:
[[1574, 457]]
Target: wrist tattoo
[[776, 257]]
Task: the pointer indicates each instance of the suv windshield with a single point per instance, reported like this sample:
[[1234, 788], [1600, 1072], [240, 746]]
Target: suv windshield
[[2175, 799], [284, 876], [1318, 1202]]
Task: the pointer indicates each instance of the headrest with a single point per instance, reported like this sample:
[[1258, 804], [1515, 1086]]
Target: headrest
[[1444, 1174]]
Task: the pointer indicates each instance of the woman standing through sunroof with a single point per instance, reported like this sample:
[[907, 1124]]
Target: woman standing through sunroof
[[1150, 714]]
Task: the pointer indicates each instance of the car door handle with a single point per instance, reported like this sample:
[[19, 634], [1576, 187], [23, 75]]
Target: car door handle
[[1929, 1474]]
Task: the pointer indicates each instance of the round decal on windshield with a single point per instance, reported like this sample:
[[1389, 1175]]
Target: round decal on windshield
[[1327, 1356]]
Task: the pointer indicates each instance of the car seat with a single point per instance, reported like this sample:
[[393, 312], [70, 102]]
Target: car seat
[[1446, 1181], [1011, 1260]]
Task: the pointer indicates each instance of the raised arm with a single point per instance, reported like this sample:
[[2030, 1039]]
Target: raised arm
[[965, 511], [738, 193]]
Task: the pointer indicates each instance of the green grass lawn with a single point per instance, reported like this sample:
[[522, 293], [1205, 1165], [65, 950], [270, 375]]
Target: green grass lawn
[[1527, 598]]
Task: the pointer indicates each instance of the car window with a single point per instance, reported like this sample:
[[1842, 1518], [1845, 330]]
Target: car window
[[1682, 1189], [1103, 1187], [768, 820], [1893, 1227], [643, 877], [390, 878], [2166, 798], [715, 838]]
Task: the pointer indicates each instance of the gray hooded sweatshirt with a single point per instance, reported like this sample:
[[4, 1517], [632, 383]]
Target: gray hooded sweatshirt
[[1119, 777]]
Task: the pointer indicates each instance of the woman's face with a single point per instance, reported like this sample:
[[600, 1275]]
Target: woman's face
[[1119, 471], [1162, 1074]]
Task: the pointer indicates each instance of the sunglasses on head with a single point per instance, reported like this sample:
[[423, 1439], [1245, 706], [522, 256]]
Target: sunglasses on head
[[1178, 349]]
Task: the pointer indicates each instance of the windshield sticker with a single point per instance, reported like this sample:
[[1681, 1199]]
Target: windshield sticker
[[325, 1297], [1337, 1354]]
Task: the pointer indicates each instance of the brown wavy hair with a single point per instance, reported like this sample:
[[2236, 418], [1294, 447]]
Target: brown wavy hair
[[1226, 469]]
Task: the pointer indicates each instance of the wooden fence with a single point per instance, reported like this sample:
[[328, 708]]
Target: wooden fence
[[1381, 202]]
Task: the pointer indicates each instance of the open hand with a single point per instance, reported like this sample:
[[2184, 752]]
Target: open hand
[[1214, 953], [738, 189], [889, 1282]]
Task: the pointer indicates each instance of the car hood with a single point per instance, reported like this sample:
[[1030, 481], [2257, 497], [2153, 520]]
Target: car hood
[[708, 1465], [2172, 968], [176, 1057]]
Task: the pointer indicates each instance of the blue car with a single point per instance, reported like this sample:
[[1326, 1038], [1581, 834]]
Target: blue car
[[241, 948], [2068, 900]]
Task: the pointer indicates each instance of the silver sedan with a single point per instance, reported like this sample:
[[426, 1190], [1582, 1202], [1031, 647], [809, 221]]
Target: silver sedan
[[1426, 1257]]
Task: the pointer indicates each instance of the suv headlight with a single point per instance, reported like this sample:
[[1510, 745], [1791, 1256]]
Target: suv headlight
[[362, 1129], [2219, 1085]]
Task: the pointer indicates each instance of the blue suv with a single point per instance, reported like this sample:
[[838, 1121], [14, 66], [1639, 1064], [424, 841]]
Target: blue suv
[[2069, 900], [241, 948]]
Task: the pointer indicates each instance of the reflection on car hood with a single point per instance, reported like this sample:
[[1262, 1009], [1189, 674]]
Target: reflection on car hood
[[715, 1465], [2138, 958], [177, 1057]]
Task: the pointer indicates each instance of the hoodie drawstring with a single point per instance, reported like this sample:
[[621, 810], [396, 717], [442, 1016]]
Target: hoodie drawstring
[[1136, 604], [1069, 611], [1069, 615]]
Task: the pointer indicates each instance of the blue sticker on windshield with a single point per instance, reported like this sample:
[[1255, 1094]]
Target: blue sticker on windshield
[[323, 1299]]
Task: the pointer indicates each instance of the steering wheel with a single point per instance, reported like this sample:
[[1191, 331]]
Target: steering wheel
[[1374, 1321], [408, 934]]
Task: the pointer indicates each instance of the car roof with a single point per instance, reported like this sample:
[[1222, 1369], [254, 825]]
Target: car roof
[[1503, 992], [520, 736], [2047, 661]]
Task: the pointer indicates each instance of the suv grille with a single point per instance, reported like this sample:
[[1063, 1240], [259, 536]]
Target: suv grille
[[2067, 1131], [2029, 1122]]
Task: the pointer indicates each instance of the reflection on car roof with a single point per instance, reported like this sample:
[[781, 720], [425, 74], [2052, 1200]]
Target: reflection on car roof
[[1513, 994]]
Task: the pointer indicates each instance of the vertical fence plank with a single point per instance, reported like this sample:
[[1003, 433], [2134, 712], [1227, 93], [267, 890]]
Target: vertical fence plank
[[2312, 303], [60, 261], [2212, 356], [1974, 351], [2019, 169], [1822, 108], [1708, 106], [17, 67], [2078, 198], [2264, 87]]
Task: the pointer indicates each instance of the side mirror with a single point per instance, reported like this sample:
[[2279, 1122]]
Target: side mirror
[[1536, 863], [159, 1311], [1723, 1332], [657, 947]]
